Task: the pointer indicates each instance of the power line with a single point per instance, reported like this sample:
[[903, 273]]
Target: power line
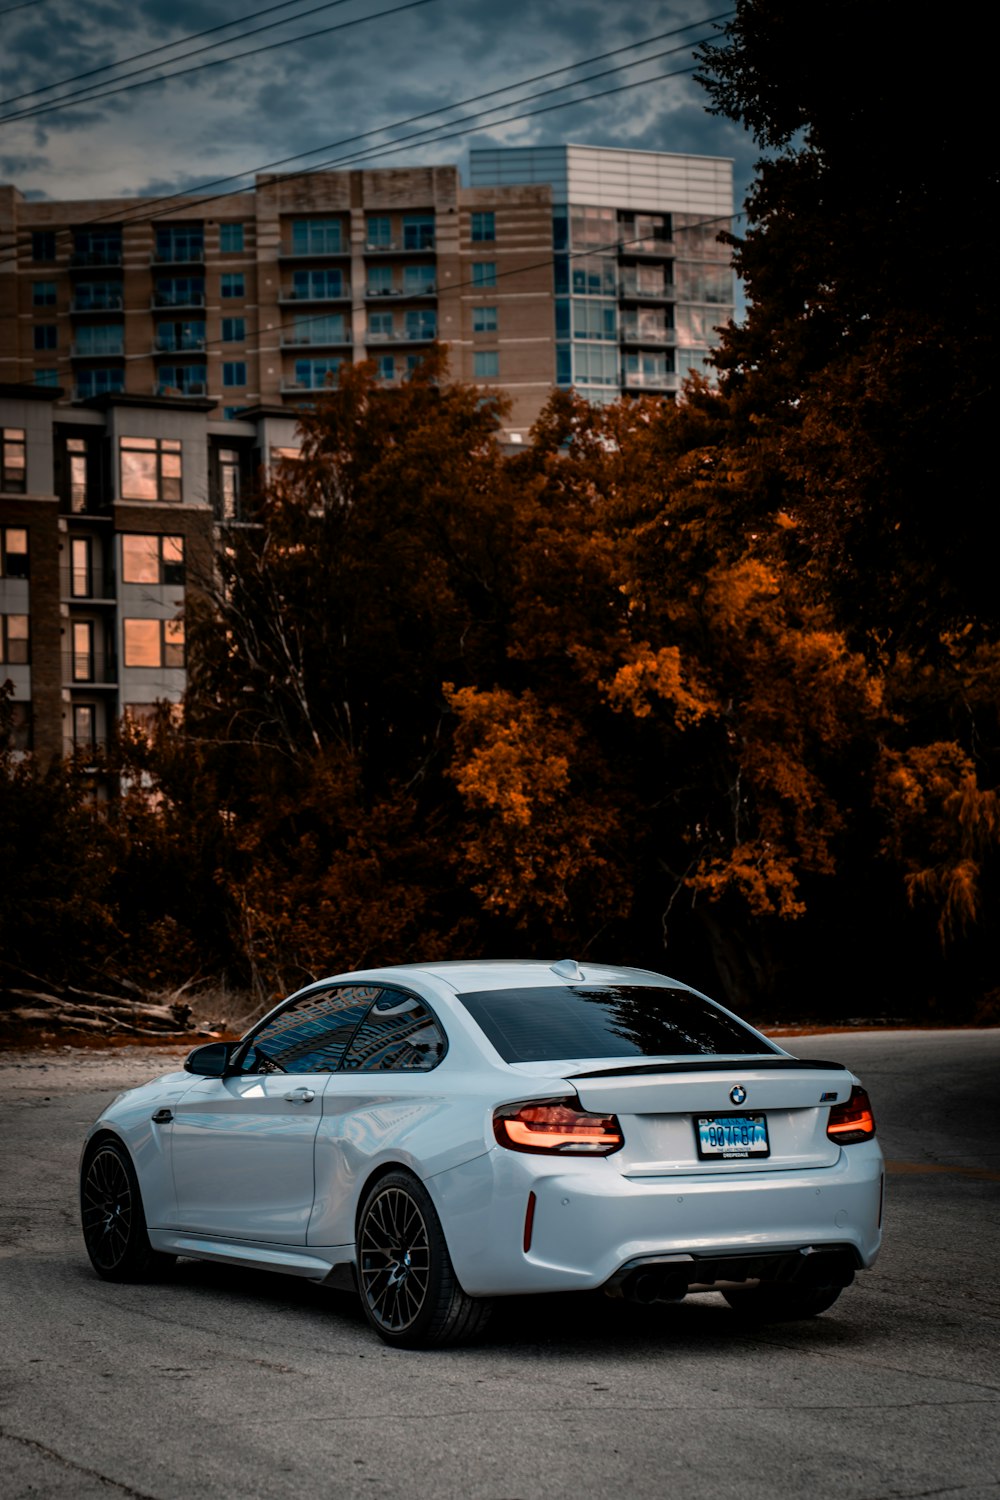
[[150, 51], [23, 6], [215, 62], [144, 215]]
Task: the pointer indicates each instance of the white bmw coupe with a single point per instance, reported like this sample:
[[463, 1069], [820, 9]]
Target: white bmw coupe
[[439, 1135]]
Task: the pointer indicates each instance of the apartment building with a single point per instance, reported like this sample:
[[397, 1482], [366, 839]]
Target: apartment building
[[153, 357]]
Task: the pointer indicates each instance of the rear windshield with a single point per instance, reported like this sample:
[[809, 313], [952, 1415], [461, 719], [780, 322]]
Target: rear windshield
[[536, 1025]]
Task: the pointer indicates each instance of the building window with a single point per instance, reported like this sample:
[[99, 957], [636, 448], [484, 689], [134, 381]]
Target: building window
[[83, 651], [19, 726], [318, 286], [486, 364], [99, 383], [379, 281], [97, 296], [47, 377], [595, 320], [316, 237], [151, 468], [46, 336], [233, 284], [84, 727], [43, 294], [484, 273], [483, 227], [101, 339], [484, 320], [97, 247], [418, 231], [180, 242], [380, 325], [13, 460], [234, 330], [386, 368], [234, 372], [182, 380], [152, 558], [228, 483], [419, 280], [14, 640], [179, 291], [378, 234], [13, 552], [421, 324], [325, 328], [43, 244], [153, 643], [80, 579], [180, 337], [231, 238], [76, 455], [315, 374]]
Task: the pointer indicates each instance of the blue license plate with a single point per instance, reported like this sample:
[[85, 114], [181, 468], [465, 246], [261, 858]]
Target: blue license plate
[[732, 1137]]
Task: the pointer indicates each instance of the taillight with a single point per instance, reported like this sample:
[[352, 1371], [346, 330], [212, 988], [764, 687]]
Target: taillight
[[852, 1121], [556, 1125]]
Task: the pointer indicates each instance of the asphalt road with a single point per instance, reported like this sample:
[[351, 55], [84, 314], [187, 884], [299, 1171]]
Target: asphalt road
[[225, 1384]]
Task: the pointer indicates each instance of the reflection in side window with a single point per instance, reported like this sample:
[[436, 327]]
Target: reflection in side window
[[399, 1033], [310, 1036]]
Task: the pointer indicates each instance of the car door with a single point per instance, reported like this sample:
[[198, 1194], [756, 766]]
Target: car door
[[243, 1147]]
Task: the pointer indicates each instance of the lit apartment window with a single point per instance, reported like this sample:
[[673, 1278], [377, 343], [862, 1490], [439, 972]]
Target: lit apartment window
[[84, 726], [484, 320], [153, 643], [13, 552], [13, 460], [378, 234], [233, 284], [76, 463], [483, 227], [83, 651], [80, 580], [43, 244], [234, 372], [14, 640], [228, 497], [46, 336], [418, 231], [43, 294], [316, 236], [484, 273], [152, 558], [486, 364], [180, 242], [231, 238], [151, 468], [234, 330]]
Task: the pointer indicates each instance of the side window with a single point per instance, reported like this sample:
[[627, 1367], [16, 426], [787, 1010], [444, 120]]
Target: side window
[[311, 1035], [399, 1033]]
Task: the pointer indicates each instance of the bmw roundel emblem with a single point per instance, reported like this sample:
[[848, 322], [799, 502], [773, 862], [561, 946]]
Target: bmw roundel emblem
[[738, 1094]]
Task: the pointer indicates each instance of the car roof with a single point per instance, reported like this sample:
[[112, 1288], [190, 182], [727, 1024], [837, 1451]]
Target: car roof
[[471, 975]]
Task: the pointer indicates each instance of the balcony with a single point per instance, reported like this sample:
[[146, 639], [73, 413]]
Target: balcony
[[81, 393], [88, 670], [178, 299], [644, 249], [306, 388], [309, 339], [632, 333], [379, 293], [100, 584], [109, 257], [396, 247], [645, 380], [286, 252], [402, 336], [89, 351], [193, 389], [110, 302], [300, 294], [178, 255], [188, 343], [636, 289]]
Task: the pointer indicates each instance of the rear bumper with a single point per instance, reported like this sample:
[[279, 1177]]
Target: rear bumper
[[592, 1227]]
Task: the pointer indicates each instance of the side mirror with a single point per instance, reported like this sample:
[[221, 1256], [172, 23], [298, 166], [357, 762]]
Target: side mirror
[[210, 1061]]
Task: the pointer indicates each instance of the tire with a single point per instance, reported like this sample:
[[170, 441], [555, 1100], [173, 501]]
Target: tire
[[114, 1225], [407, 1283], [781, 1304]]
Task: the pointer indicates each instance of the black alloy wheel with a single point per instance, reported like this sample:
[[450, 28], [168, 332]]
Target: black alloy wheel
[[409, 1290], [114, 1225]]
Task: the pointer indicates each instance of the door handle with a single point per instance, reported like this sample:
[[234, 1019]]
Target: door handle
[[300, 1096]]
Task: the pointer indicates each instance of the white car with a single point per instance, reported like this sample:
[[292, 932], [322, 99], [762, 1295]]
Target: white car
[[442, 1134]]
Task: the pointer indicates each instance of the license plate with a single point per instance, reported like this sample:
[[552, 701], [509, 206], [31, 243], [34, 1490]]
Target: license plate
[[732, 1137]]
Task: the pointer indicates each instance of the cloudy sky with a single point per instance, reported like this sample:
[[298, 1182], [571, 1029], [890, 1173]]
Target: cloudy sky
[[337, 94]]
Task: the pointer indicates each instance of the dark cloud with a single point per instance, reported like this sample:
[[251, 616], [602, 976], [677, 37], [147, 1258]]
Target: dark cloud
[[307, 97]]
